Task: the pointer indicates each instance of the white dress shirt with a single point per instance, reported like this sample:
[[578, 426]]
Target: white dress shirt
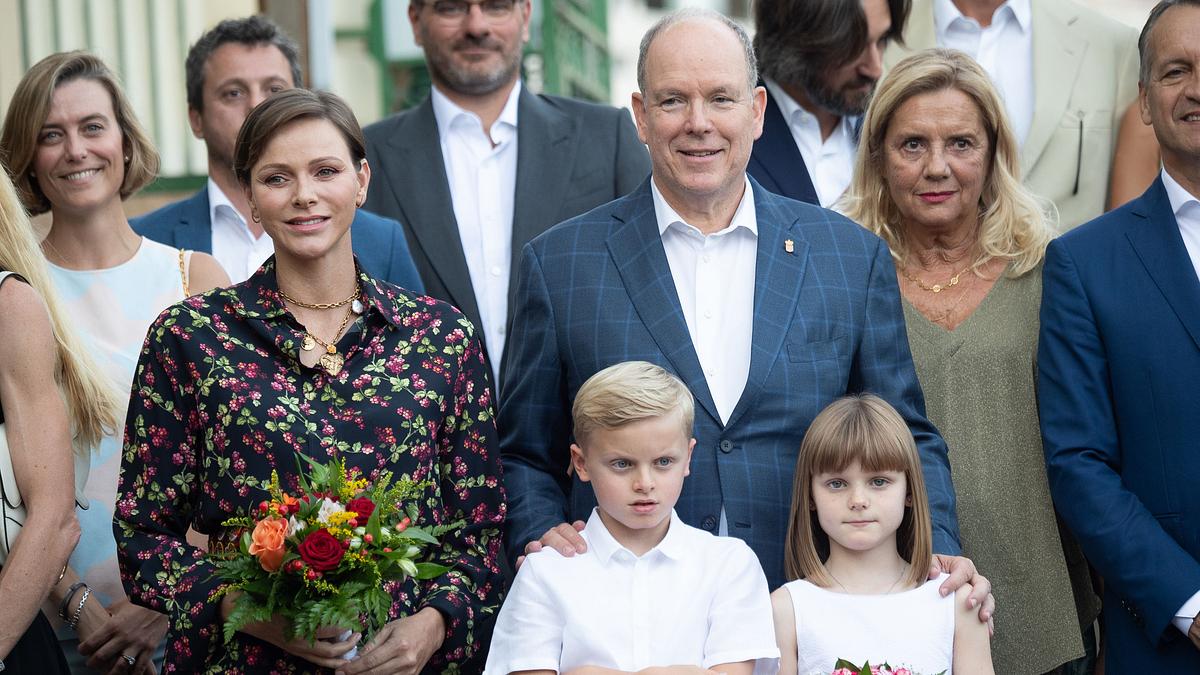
[[1187, 214], [714, 278], [830, 161], [234, 246], [694, 599], [481, 167], [1004, 49]]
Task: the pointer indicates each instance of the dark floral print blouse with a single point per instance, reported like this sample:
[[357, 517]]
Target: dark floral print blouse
[[220, 398]]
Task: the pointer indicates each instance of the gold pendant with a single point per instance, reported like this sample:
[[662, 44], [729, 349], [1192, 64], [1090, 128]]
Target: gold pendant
[[309, 343], [331, 363]]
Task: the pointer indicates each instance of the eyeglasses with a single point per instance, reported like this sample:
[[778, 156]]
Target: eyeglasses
[[455, 10]]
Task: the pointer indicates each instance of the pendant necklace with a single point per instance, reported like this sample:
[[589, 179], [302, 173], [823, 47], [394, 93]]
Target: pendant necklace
[[331, 361], [887, 592]]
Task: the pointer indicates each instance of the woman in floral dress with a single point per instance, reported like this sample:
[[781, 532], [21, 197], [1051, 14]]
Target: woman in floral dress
[[309, 356]]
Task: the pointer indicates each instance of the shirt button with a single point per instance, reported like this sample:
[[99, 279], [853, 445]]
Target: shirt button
[[710, 373], [709, 522], [708, 313], [495, 270], [706, 258], [500, 330], [726, 446]]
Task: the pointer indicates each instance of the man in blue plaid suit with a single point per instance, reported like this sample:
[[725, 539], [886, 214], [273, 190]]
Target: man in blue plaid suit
[[768, 308]]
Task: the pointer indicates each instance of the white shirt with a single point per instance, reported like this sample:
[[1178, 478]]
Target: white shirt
[[714, 278], [830, 162], [694, 599], [483, 182], [233, 244], [1004, 49], [1187, 214]]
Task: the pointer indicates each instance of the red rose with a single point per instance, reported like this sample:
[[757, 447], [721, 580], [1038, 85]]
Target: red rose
[[321, 551], [363, 507]]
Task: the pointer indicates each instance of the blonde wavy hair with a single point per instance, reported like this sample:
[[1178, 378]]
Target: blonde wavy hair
[[30, 107], [1014, 225], [92, 401]]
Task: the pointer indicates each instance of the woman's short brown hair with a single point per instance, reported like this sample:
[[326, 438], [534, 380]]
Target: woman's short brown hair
[[30, 107], [272, 115]]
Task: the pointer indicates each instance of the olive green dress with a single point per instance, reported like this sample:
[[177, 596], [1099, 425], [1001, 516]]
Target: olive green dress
[[979, 383]]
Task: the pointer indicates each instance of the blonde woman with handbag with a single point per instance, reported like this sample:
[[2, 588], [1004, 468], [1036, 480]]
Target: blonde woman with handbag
[[48, 387], [75, 149]]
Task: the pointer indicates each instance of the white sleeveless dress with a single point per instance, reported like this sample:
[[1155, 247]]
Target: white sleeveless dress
[[111, 310], [913, 629]]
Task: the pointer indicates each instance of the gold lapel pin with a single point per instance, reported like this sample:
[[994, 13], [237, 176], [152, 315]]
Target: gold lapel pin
[[789, 246]]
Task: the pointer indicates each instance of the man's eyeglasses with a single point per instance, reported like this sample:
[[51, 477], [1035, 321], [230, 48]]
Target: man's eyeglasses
[[455, 10]]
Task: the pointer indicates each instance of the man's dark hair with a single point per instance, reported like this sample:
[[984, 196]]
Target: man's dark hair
[[1143, 39], [798, 40], [249, 31]]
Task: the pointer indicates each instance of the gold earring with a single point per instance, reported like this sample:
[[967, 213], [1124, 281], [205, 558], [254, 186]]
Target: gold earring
[[254, 216]]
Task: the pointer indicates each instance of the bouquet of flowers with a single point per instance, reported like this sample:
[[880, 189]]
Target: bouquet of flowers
[[844, 667], [320, 558]]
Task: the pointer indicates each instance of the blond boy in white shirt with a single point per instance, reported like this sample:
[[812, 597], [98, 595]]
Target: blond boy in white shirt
[[651, 594]]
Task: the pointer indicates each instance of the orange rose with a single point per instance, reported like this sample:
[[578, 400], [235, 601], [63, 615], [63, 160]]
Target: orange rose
[[266, 542]]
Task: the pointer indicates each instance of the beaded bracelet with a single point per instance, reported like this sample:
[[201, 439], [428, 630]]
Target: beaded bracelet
[[87, 591], [62, 608]]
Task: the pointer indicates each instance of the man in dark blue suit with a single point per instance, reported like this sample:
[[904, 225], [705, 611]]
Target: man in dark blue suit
[[769, 309], [820, 60], [1119, 375], [231, 69]]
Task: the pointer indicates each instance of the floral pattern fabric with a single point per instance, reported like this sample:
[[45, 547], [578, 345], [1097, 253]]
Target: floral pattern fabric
[[220, 399]]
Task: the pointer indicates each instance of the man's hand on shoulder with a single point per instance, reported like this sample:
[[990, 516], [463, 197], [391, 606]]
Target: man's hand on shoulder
[[563, 538], [962, 571]]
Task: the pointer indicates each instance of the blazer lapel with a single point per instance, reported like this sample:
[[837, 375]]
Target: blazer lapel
[[417, 176], [779, 272], [779, 157], [1058, 52], [193, 230], [637, 251], [1159, 246], [545, 155]]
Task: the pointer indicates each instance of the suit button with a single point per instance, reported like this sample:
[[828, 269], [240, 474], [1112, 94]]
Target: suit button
[[726, 446], [709, 522]]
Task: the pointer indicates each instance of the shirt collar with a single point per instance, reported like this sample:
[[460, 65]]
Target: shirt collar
[[745, 215], [1179, 197], [446, 112], [258, 296], [790, 109], [217, 200], [601, 542], [945, 13]]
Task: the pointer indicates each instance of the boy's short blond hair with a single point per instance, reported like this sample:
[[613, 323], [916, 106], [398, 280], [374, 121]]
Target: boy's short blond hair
[[630, 392]]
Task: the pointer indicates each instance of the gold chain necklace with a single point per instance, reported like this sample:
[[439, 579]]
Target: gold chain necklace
[[321, 305], [331, 361], [936, 288], [887, 592]]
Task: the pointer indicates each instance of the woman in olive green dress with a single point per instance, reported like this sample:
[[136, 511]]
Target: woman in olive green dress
[[937, 178]]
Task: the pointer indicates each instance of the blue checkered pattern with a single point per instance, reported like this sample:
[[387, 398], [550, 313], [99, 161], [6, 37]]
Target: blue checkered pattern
[[597, 290]]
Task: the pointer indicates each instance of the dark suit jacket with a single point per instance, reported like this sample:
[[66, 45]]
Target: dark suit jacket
[[597, 290], [775, 161], [378, 243], [571, 157], [1119, 396]]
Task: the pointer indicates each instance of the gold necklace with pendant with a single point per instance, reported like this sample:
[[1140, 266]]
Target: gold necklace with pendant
[[331, 361]]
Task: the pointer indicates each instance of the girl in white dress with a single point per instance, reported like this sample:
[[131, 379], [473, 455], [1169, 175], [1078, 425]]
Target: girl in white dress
[[859, 546]]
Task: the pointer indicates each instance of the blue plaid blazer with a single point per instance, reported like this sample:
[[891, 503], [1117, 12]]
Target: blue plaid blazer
[[596, 290]]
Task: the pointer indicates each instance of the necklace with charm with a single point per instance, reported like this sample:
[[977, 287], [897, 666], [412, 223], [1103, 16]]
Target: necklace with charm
[[331, 361], [887, 592]]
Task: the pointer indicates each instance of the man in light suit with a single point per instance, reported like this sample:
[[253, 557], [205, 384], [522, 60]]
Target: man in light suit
[[820, 60], [232, 68], [768, 308], [1067, 75], [1119, 375], [483, 165]]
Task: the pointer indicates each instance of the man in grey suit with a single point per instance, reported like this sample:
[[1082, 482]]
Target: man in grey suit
[[482, 165]]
